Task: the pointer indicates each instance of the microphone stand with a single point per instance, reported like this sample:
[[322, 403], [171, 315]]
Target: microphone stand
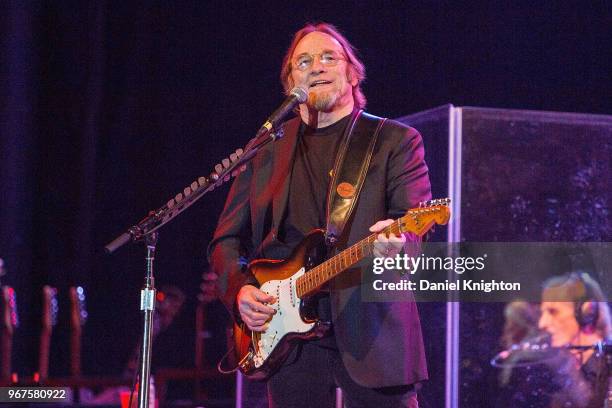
[[147, 305], [600, 347], [146, 230], [536, 347]]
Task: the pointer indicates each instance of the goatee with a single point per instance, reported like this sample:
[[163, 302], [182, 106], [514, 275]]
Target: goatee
[[322, 102]]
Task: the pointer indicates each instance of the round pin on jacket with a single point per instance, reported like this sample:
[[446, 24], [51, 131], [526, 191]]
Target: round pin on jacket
[[345, 190]]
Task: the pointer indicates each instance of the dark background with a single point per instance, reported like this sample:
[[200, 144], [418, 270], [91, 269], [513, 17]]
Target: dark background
[[108, 109]]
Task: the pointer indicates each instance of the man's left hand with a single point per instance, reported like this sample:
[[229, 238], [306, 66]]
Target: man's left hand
[[387, 245]]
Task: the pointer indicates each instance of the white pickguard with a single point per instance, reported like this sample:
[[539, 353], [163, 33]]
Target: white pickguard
[[287, 318]]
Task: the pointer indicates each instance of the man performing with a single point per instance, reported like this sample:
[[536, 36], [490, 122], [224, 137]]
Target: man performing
[[375, 350]]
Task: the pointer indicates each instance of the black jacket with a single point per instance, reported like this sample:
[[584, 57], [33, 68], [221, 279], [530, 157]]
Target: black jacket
[[380, 342]]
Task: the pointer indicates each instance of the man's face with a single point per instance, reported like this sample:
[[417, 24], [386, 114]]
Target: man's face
[[559, 321], [328, 87]]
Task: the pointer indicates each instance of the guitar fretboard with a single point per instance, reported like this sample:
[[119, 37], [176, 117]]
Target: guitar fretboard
[[417, 220], [322, 273]]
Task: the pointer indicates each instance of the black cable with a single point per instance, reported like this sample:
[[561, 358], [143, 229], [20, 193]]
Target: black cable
[[136, 372]]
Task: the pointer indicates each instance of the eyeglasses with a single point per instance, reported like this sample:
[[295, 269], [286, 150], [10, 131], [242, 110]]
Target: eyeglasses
[[327, 58]]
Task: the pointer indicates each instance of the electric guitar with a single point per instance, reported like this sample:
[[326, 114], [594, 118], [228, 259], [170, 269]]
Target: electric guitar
[[10, 321], [78, 318], [260, 354], [49, 321]]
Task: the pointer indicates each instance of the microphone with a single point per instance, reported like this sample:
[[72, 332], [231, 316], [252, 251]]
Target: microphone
[[295, 97], [531, 350]]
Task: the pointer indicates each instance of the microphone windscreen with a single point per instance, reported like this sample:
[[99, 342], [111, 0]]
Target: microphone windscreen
[[300, 94]]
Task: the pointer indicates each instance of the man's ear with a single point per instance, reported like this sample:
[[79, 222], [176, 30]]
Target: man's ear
[[351, 77]]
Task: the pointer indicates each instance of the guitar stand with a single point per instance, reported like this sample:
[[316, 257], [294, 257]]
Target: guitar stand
[[147, 305]]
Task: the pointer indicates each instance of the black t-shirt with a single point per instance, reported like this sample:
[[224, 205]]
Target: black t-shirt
[[314, 160]]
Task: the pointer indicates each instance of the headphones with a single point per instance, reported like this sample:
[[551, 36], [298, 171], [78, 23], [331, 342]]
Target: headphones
[[586, 308]]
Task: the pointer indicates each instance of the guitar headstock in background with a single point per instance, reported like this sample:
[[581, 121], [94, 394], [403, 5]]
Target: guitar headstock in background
[[78, 307], [50, 311], [78, 318], [10, 321]]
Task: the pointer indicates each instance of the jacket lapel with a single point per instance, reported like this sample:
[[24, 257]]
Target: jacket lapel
[[284, 151]]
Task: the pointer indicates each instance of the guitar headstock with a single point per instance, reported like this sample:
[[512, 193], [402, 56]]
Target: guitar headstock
[[10, 318], [419, 220], [78, 307], [50, 307]]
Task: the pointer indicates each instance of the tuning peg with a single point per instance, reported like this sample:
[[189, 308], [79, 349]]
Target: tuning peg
[[178, 198], [226, 163], [187, 191], [218, 169], [170, 203]]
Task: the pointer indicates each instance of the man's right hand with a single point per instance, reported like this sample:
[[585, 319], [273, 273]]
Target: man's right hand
[[253, 307]]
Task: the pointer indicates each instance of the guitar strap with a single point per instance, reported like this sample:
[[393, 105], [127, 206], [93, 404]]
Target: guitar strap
[[350, 169]]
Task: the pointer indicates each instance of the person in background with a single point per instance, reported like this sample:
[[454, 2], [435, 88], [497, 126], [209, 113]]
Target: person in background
[[551, 357], [575, 312]]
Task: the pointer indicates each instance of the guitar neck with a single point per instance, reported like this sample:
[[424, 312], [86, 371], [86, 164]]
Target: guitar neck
[[416, 220], [9, 322], [78, 315], [43, 354], [49, 319], [75, 353], [6, 342], [326, 271]]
